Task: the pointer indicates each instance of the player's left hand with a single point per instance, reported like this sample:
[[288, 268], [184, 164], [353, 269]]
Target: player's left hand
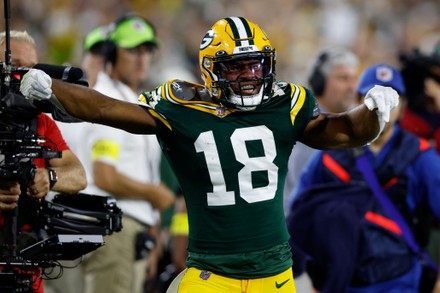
[[383, 100]]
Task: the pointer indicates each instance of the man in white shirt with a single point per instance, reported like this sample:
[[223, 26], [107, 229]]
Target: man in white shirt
[[124, 165]]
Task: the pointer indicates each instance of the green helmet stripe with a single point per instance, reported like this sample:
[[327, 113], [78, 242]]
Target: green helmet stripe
[[248, 30], [241, 30]]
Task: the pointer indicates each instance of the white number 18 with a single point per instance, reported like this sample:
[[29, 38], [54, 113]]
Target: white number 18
[[219, 196]]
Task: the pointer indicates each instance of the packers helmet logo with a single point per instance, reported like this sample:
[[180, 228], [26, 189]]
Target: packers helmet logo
[[207, 39]]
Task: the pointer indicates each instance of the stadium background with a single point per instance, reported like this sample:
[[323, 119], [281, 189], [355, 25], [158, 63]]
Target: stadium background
[[376, 30]]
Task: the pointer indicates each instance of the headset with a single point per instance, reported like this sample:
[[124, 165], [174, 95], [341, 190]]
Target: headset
[[317, 77], [109, 49]]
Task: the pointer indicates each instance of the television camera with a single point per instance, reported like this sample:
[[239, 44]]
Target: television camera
[[68, 226], [72, 225], [416, 67]]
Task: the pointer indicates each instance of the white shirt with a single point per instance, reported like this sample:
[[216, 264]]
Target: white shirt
[[136, 156]]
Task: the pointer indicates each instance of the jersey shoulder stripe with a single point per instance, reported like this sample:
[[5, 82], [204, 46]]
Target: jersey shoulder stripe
[[160, 117], [298, 96]]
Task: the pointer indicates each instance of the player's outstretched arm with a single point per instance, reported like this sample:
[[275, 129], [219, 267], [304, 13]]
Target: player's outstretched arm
[[356, 127], [87, 104]]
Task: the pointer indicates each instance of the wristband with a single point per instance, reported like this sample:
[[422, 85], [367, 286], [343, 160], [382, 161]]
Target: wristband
[[53, 178]]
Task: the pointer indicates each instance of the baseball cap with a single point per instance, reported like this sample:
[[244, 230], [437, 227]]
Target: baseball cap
[[133, 31], [381, 74], [94, 37]]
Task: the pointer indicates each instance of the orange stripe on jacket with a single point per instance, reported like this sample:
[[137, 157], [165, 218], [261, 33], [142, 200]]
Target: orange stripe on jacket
[[391, 182], [383, 222], [424, 144], [336, 169]]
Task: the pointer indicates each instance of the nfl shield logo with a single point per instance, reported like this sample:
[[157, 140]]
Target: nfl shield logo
[[204, 275], [221, 111]]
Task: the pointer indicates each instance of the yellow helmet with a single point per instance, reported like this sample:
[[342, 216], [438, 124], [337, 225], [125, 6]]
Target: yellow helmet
[[234, 39]]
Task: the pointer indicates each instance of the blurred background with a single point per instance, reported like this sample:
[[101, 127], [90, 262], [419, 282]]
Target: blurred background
[[376, 30]]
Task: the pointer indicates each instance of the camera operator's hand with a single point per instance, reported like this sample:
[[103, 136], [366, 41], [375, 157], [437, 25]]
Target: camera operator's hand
[[36, 85], [432, 90], [9, 194], [383, 100], [40, 186]]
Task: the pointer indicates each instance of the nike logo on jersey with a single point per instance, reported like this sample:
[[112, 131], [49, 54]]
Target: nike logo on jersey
[[281, 284]]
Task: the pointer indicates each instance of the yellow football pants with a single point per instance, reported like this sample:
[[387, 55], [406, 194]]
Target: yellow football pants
[[195, 281]]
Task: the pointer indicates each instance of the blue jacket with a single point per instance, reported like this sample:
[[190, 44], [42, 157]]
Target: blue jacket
[[423, 173], [411, 173]]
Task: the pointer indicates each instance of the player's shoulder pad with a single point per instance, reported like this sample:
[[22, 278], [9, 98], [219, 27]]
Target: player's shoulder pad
[[175, 91], [182, 90]]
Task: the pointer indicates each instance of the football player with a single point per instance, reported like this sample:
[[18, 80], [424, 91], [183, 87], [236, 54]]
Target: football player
[[228, 142]]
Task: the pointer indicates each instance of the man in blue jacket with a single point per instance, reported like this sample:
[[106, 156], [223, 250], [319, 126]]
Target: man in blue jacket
[[341, 234]]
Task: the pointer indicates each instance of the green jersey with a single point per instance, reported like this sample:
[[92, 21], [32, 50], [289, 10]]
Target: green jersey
[[231, 166]]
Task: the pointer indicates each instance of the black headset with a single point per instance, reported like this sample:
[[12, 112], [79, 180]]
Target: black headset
[[109, 49], [317, 77]]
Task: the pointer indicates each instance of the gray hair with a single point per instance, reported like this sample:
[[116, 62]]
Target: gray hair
[[325, 63], [334, 56], [22, 36], [337, 57]]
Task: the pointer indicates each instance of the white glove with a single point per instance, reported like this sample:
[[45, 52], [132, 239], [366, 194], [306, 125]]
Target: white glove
[[384, 99], [36, 85]]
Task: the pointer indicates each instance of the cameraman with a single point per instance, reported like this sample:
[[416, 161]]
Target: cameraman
[[421, 74], [64, 174]]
